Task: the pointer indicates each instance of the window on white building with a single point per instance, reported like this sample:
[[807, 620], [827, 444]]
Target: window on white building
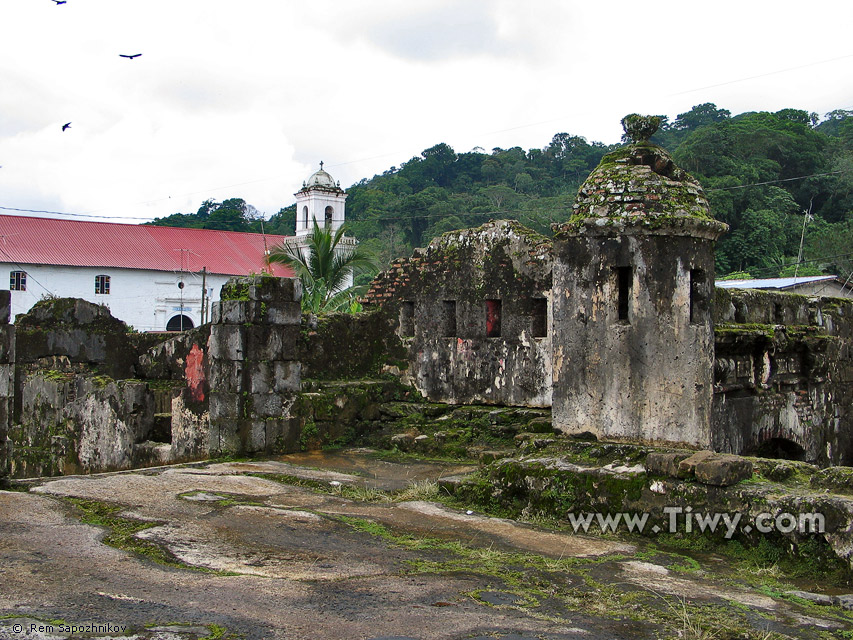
[[102, 285], [17, 281]]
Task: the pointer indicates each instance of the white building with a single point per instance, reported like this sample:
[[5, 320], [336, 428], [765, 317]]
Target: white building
[[152, 278], [321, 200]]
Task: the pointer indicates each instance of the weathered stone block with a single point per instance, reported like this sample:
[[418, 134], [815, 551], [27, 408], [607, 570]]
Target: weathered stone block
[[7, 344], [837, 479], [265, 289], [5, 306], [723, 470], [227, 342], [234, 436], [259, 376], [225, 405], [539, 425], [687, 467], [257, 440], [282, 435], [190, 431], [666, 464], [6, 377], [226, 376], [270, 342], [287, 377], [281, 313], [232, 312], [266, 405]]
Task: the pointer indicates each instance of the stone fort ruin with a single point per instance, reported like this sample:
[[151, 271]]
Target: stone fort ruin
[[614, 324]]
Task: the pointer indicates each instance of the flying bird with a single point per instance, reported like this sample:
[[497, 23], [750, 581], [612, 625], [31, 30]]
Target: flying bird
[[135, 55], [60, 1], [67, 125]]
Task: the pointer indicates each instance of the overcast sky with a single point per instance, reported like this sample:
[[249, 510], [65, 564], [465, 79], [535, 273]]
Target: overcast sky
[[243, 99]]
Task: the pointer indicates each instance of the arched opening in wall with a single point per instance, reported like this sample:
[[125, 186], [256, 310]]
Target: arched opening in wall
[[779, 448], [304, 217], [329, 212], [179, 322]]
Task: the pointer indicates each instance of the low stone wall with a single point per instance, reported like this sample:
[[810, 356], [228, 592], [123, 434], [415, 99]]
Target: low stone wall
[[79, 331], [784, 503], [82, 424]]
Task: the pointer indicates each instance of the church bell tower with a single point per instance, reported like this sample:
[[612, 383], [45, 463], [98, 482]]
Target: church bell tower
[[320, 199]]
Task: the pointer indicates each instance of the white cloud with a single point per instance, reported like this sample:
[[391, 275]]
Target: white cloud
[[243, 99]]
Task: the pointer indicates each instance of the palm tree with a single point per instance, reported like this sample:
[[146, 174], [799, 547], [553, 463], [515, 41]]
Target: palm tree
[[325, 269]]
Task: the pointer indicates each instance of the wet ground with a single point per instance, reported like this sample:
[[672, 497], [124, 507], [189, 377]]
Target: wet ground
[[345, 546]]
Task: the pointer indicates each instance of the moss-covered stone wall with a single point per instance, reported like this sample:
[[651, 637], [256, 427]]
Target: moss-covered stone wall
[[346, 346], [472, 311], [783, 376]]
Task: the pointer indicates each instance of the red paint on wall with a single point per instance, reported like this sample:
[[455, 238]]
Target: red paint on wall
[[493, 318], [195, 373]]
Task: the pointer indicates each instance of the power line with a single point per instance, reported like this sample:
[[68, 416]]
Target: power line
[[761, 75], [76, 215], [759, 184]]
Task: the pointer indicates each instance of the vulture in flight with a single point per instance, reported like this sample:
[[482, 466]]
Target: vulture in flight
[[135, 55]]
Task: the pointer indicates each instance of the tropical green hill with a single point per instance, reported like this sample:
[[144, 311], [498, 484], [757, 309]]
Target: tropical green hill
[[778, 179]]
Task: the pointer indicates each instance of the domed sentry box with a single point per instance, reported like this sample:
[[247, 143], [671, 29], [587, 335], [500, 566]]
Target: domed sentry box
[[633, 342]]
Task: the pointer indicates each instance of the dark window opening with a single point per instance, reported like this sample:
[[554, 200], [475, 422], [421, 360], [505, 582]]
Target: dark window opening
[[407, 319], [540, 318], [698, 299], [624, 281], [17, 281], [329, 212], [179, 322], [449, 319], [778, 448], [493, 318], [304, 217], [102, 285]]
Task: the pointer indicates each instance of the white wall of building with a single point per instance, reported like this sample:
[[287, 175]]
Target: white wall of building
[[144, 299]]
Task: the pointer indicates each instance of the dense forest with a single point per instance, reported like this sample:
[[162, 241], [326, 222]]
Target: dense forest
[[781, 181]]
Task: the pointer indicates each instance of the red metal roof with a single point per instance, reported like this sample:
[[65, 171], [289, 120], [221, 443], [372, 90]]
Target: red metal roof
[[29, 240]]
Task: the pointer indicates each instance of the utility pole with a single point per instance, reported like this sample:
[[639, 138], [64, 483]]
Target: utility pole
[[806, 219], [203, 294]]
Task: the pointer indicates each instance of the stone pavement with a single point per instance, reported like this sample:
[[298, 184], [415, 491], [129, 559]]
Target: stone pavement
[[276, 555]]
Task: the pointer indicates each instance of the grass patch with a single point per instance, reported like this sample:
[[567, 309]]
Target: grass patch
[[121, 533]]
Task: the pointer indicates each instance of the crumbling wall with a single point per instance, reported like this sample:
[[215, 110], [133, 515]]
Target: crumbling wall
[[254, 370], [783, 376], [178, 375], [72, 423], [82, 332], [473, 311]]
